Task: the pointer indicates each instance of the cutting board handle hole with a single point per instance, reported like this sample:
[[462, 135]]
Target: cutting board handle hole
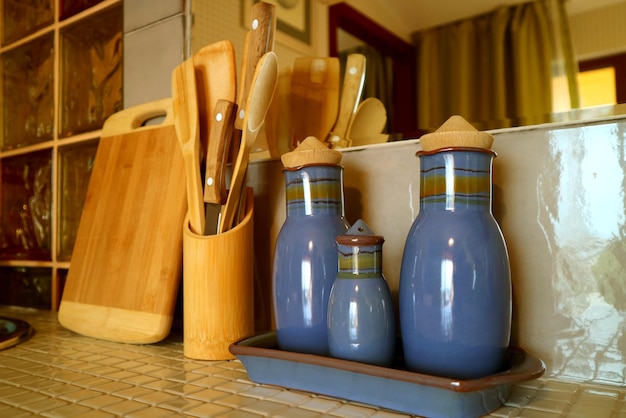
[[157, 120]]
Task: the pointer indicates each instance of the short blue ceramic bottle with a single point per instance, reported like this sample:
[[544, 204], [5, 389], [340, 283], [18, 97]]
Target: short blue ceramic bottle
[[361, 318], [305, 257], [455, 284]]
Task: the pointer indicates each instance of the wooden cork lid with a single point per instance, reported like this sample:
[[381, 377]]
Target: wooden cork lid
[[456, 132], [311, 151]]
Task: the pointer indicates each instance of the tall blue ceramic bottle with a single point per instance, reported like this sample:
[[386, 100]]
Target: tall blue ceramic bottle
[[305, 257], [455, 285], [361, 318]]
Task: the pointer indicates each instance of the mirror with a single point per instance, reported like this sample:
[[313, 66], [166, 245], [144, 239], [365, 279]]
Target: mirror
[[349, 27]]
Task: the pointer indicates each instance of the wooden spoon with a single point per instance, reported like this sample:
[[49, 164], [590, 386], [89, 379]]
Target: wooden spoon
[[259, 99], [369, 120], [185, 112], [353, 80], [278, 121]]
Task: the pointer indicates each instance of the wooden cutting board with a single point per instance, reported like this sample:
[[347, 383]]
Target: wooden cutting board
[[126, 264]]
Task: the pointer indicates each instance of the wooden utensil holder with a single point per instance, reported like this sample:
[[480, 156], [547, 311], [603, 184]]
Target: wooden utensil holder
[[218, 288]]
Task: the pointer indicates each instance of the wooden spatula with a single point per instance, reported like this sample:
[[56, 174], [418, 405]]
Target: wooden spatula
[[185, 111], [216, 78], [314, 97]]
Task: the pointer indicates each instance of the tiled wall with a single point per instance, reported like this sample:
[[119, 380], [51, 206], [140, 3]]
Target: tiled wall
[[214, 21], [159, 35], [559, 196], [154, 43]]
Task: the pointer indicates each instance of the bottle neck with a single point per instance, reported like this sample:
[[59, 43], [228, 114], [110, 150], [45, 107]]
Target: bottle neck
[[314, 190], [456, 180], [364, 261]]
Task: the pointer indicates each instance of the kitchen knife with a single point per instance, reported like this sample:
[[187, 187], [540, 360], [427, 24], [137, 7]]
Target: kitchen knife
[[353, 80], [219, 142], [260, 40]]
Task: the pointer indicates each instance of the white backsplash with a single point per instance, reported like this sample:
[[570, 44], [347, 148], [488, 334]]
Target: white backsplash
[[559, 196]]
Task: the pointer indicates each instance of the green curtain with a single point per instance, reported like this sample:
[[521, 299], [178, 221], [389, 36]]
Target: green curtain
[[498, 69]]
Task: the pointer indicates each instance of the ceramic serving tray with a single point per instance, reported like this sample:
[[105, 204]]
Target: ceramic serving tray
[[394, 388]]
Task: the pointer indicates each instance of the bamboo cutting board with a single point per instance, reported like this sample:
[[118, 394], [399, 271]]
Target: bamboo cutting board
[[126, 264]]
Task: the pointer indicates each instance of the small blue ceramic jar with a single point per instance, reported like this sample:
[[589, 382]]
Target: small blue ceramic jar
[[361, 321]]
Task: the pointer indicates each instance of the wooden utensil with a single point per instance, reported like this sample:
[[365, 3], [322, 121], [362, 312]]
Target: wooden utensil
[[123, 280], [259, 99], [353, 80], [216, 78], [314, 97], [185, 112], [259, 41], [217, 154], [278, 121], [368, 121]]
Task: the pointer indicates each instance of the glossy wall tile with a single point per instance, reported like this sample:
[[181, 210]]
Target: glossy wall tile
[[75, 167], [26, 202], [562, 207], [91, 72], [28, 93], [21, 18]]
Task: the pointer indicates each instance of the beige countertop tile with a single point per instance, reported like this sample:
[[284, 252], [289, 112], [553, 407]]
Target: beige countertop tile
[[59, 373]]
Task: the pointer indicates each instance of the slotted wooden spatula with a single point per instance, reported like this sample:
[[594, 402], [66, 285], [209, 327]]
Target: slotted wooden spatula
[[216, 78]]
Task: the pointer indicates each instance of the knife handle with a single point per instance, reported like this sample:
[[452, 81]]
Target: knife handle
[[217, 153], [259, 40], [353, 80]]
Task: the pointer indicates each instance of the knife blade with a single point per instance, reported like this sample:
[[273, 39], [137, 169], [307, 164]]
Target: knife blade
[[353, 80], [222, 125]]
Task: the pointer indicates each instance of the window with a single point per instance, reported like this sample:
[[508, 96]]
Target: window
[[602, 81]]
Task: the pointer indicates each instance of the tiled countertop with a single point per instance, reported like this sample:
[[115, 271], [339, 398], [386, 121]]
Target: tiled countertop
[[58, 373]]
